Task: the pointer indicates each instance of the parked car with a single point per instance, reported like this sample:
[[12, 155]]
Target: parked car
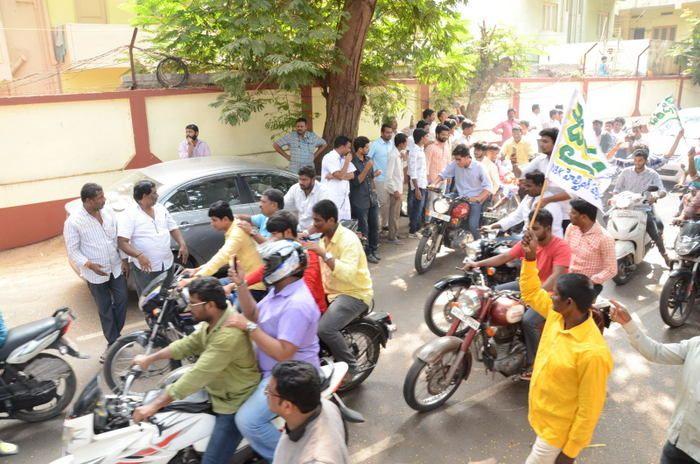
[[187, 188]]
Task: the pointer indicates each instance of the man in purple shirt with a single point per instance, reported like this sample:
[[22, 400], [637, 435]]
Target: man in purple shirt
[[283, 326], [505, 128]]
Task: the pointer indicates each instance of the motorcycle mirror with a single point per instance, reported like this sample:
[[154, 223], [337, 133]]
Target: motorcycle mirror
[[653, 188]]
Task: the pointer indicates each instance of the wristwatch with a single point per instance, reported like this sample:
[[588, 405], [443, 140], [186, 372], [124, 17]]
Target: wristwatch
[[250, 326], [327, 257]]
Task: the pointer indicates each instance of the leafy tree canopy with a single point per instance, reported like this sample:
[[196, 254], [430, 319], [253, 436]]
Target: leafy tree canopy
[[688, 51]]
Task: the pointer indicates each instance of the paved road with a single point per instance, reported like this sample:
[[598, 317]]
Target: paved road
[[487, 417]]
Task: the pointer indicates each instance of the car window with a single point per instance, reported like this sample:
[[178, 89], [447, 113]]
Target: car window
[[258, 183], [202, 194]]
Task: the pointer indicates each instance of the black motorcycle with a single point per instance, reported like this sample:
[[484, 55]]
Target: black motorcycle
[[448, 291], [36, 385], [448, 215], [165, 309], [680, 292]]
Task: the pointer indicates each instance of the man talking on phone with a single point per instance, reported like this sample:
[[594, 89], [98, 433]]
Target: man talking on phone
[[192, 146]]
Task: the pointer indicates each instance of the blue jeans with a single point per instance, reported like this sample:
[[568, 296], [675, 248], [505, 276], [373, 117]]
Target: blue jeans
[[223, 441], [111, 298], [254, 420], [474, 219], [415, 210], [368, 225]]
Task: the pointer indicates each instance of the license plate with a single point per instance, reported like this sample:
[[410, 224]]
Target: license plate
[[470, 321], [626, 214], [442, 217]]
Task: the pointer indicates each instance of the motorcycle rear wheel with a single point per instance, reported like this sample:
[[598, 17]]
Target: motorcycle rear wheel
[[674, 304], [364, 344], [426, 252], [46, 366], [440, 327], [438, 387], [120, 355]]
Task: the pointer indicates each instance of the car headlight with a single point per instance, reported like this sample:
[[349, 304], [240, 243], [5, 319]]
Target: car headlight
[[441, 206]]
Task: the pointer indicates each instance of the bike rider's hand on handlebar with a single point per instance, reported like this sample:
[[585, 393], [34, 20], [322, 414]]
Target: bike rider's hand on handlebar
[[144, 412], [142, 361], [470, 265]]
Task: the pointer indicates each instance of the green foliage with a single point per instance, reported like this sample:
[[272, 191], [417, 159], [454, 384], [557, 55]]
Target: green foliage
[[687, 52], [386, 101]]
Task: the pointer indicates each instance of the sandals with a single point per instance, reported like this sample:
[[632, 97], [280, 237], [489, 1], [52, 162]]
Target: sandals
[[8, 449]]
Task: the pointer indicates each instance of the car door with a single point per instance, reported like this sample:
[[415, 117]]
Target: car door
[[189, 205], [258, 181]]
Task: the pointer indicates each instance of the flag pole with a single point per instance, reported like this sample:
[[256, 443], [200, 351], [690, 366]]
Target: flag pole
[[539, 203]]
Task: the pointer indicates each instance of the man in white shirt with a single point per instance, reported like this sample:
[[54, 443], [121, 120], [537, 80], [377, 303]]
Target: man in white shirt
[[192, 147], [394, 184], [302, 196], [535, 118], [430, 118], [533, 183], [90, 234], [468, 127], [553, 122], [488, 162], [418, 181], [336, 171], [144, 234]]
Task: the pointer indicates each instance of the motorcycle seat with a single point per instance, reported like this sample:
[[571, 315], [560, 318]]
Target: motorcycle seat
[[20, 335]]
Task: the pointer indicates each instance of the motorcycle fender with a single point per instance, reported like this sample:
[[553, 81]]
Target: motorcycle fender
[[460, 279], [679, 271], [380, 329], [431, 351], [383, 321], [623, 248]]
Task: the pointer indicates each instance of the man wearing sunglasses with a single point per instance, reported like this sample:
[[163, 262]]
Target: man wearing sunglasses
[[314, 430], [226, 367]]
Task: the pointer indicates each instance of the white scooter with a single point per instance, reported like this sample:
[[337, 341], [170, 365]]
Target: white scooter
[[100, 429], [627, 225]]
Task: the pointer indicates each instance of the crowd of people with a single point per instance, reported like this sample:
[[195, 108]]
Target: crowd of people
[[259, 359]]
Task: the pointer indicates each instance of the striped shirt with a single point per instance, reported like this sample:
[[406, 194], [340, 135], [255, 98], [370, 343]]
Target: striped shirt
[[592, 253], [88, 240], [417, 168], [301, 148]]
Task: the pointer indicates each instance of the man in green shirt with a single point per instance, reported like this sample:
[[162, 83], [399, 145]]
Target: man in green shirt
[[226, 367]]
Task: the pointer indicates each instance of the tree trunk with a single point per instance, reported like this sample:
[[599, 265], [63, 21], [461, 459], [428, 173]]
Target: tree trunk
[[343, 97], [479, 91]]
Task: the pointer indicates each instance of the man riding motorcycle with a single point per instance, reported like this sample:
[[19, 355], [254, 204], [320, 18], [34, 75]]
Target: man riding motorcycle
[[225, 367], [283, 326], [638, 179]]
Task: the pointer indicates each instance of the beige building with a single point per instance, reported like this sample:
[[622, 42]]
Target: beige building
[[653, 19], [547, 21]]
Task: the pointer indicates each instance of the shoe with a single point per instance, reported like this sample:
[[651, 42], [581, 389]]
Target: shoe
[[376, 256], [413, 235], [393, 241], [8, 449], [385, 229], [372, 259]]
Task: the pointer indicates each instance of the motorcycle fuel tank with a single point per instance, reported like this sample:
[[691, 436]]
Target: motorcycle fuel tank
[[506, 311]]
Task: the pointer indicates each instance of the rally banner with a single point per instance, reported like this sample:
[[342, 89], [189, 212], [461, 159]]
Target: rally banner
[[576, 165], [665, 112]]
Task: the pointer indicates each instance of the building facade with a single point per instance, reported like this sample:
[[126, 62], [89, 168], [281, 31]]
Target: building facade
[[654, 19]]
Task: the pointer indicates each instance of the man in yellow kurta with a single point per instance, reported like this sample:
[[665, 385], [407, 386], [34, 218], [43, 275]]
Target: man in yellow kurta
[[569, 379]]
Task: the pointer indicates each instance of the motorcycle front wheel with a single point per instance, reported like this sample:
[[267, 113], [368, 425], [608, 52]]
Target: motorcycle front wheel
[[46, 366], [120, 356], [624, 270], [675, 303], [427, 387], [428, 248], [436, 311]]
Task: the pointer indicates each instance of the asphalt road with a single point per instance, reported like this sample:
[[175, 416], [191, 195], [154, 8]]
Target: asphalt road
[[487, 417]]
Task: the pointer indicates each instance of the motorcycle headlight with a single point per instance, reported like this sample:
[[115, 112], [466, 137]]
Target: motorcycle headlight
[[473, 249], [441, 206], [684, 245], [470, 302]]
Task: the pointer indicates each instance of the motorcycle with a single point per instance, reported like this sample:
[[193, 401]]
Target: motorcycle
[[627, 225], [99, 428], [36, 385], [680, 292], [486, 326], [448, 291], [447, 225], [165, 309]]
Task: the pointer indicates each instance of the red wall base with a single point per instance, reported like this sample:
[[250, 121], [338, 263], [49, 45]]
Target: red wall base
[[27, 224]]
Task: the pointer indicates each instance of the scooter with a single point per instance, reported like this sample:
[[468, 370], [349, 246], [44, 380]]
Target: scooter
[[100, 429], [36, 385], [627, 225]]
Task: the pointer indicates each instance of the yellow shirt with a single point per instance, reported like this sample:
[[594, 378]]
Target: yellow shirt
[[567, 390], [523, 149], [351, 274], [239, 243]]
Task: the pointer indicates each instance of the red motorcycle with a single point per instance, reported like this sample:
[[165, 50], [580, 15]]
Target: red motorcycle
[[486, 323]]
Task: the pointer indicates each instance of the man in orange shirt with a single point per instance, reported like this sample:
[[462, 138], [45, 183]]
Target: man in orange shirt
[[438, 155]]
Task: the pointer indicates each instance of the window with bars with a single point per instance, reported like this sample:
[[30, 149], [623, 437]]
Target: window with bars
[[550, 21], [664, 33]]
